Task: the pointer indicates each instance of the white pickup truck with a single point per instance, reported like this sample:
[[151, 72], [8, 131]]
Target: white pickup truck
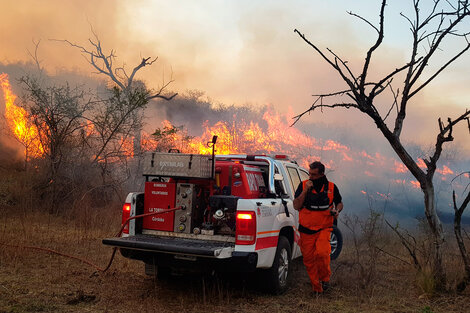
[[224, 212]]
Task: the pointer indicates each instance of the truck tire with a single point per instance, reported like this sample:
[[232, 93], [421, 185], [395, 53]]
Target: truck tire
[[336, 242], [278, 276]]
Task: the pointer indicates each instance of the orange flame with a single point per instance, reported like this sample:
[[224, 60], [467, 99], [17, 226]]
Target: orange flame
[[127, 147], [421, 164], [400, 167], [237, 137], [19, 122], [415, 184], [399, 181], [279, 137], [445, 171], [89, 128], [241, 137], [387, 196]]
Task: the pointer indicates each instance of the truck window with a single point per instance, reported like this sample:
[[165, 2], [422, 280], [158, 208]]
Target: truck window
[[294, 178], [303, 174], [279, 185]]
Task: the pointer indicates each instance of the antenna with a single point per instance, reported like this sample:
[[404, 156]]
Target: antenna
[[212, 144]]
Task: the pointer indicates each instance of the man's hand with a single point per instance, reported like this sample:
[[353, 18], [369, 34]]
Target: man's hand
[[299, 201], [309, 185], [334, 213]]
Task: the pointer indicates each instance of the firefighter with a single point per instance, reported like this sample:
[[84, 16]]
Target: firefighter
[[319, 203]]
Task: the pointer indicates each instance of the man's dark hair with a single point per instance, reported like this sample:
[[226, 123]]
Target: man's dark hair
[[319, 165]]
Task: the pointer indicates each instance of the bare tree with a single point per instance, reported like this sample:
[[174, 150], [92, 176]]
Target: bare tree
[[428, 32], [132, 94]]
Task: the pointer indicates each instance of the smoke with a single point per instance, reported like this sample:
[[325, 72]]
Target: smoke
[[247, 57], [192, 109], [239, 53], [358, 159], [27, 21], [9, 151]]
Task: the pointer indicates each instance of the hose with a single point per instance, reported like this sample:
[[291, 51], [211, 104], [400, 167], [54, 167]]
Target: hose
[[84, 260]]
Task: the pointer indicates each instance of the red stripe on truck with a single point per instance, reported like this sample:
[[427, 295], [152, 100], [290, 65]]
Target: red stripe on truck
[[266, 242]]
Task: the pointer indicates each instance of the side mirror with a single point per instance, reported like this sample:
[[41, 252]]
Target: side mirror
[[278, 177]]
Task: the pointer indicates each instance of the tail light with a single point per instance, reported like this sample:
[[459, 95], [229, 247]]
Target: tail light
[[126, 213], [245, 228]]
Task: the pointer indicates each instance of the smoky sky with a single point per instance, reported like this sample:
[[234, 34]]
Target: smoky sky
[[238, 53]]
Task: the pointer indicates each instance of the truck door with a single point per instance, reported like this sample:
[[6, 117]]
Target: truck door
[[269, 213], [294, 180]]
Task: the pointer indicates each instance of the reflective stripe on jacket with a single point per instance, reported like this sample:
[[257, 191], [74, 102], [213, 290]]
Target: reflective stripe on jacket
[[317, 216]]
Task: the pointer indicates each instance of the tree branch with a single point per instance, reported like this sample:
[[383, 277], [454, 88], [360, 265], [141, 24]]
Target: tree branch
[[445, 135], [373, 48], [439, 71], [320, 105], [364, 20]]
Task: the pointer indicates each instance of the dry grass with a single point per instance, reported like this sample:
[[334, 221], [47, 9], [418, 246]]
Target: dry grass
[[32, 281]]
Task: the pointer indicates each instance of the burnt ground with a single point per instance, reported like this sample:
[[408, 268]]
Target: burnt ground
[[37, 281]]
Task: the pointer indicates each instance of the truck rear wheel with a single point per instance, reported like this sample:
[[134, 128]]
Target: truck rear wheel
[[278, 276], [336, 242]]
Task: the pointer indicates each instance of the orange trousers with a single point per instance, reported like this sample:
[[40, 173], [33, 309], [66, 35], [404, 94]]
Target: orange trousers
[[316, 250]]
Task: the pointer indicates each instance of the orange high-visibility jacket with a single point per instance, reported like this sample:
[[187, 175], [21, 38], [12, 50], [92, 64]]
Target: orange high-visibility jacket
[[318, 215]]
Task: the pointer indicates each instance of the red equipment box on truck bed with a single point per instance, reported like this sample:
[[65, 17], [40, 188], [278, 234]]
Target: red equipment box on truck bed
[[159, 196]]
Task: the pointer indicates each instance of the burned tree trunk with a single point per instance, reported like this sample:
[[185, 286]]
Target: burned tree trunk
[[437, 232], [427, 186], [460, 242]]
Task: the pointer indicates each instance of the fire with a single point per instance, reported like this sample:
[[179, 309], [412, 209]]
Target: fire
[[148, 143], [19, 122], [400, 167], [387, 196], [445, 171], [227, 141], [89, 128], [399, 181], [415, 184], [421, 164], [332, 145], [271, 135], [278, 137], [248, 137], [346, 157], [126, 147], [365, 155]]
